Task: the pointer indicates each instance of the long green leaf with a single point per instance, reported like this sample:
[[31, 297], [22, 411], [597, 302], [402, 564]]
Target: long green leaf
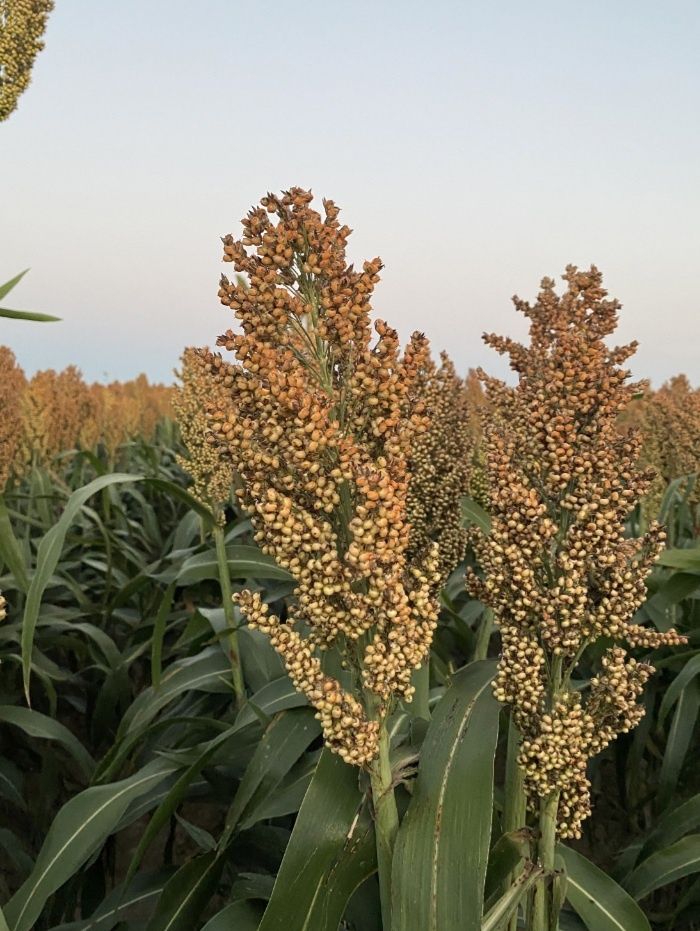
[[665, 866], [48, 555], [330, 853], [13, 282], [674, 824], [27, 315], [682, 726], [122, 902], [243, 561], [239, 916], [186, 894], [443, 844], [78, 830], [689, 671], [598, 900], [281, 745], [45, 728], [10, 552], [688, 559]]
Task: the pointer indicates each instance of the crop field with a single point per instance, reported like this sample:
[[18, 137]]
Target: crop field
[[331, 635]]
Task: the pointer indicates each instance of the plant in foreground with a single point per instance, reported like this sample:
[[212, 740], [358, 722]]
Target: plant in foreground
[[319, 424], [558, 571]]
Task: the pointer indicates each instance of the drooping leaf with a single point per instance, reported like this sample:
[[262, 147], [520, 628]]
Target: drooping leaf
[[600, 902], [78, 830], [443, 844], [244, 562], [43, 727], [665, 866]]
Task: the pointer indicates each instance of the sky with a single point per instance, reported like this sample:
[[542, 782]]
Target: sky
[[474, 146]]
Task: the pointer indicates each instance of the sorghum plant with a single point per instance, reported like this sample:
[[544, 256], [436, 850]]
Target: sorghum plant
[[319, 425], [211, 476], [558, 571], [22, 25]]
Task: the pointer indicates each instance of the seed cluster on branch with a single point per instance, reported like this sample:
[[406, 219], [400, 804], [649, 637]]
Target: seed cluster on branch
[[22, 26], [440, 466], [210, 472], [319, 423], [557, 568]]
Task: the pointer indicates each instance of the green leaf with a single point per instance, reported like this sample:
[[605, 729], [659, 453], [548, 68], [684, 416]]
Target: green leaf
[[121, 903], [11, 783], [679, 736], [10, 551], [674, 824], [45, 728], [666, 866], [3, 922], [672, 693], [599, 900], [27, 315], [330, 853], [187, 894], [159, 633], [244, 562], [271, 698], [281, 745], [48, 555], [442, 847], [688, 559], [239, 916], [473, 515], [78, 830], [208, 671], [9, 285]]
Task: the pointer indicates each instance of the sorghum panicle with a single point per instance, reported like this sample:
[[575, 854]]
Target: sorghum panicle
[[558, 570], [669, 420], [22, 26], [210, 472], [319, 423], [440, 466], [12, 385]]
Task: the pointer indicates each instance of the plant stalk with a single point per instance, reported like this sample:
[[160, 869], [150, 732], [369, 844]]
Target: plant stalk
[[515, 804], [546, 846], [226, 594], [386, 822]]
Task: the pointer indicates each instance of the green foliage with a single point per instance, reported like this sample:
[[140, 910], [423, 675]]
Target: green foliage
[[137, 793]]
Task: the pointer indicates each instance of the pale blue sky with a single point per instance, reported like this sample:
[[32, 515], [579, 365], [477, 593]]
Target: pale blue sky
[[475, 146]]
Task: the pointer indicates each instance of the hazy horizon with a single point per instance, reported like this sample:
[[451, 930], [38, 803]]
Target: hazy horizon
[[476, 148]]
